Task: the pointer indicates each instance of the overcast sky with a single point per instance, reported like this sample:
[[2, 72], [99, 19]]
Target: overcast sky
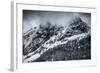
[[32, 18]]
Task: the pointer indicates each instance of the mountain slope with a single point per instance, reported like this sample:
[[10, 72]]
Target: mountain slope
[[54, 43]]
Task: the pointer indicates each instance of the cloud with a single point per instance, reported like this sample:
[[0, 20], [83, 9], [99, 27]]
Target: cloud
[[32, 18]]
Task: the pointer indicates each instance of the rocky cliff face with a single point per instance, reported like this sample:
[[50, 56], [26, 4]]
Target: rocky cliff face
[[56, 43]]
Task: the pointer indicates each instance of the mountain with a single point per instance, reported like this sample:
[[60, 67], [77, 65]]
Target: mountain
[[35, 38], [56, 43]]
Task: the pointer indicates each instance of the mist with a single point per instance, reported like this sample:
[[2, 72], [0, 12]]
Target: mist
[[32, 18]]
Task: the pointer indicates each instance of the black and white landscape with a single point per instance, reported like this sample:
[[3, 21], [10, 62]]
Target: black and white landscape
[[56, 36]]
